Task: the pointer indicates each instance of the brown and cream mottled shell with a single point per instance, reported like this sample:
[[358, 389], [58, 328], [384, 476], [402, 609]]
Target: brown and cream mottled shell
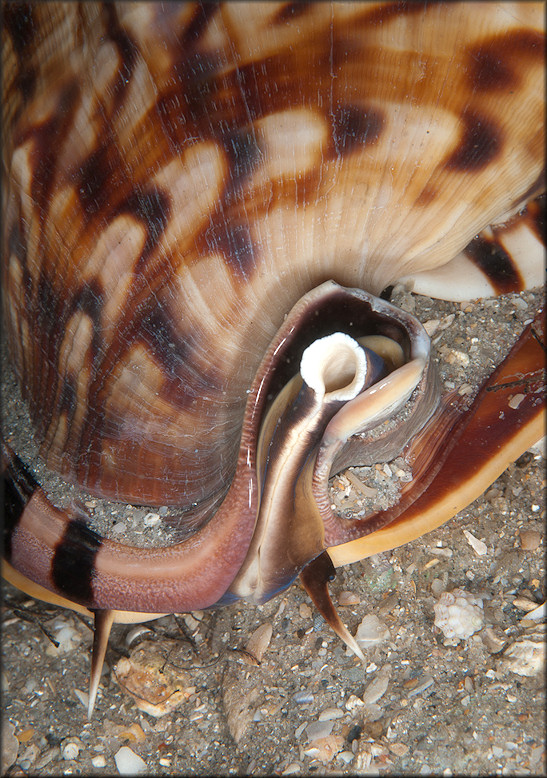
[[191, 171]]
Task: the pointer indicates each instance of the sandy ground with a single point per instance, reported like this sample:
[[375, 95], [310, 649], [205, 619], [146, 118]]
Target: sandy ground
[[242, 702]]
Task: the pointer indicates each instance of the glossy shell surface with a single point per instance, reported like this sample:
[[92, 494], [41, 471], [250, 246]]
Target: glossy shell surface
[[188, 174]]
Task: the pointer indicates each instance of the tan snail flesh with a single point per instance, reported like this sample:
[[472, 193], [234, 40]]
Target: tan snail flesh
[[196, 197]]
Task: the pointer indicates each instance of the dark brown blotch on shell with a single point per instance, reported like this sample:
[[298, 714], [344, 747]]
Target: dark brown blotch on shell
[[162, 340], [100, 179], [49, 137], [244, 155], [152, 208], [68, 400], [488, 71], [89, 300], [203, 14], [385, 12], [189, 101], [480, 144], [186, 380], [49, 310], [233, 240], [292, 10], [494, 64], [354, 126], [490, 257], [19, 23], [46, 313], [127, 51], [18, 20], [17, 245]]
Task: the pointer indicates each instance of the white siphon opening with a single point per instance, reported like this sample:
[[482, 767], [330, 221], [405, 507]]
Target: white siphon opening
[[335, 365]]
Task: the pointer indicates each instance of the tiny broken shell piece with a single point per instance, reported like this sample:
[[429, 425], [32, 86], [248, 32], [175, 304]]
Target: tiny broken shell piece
[[515, 400], [525, 657], [493, 642], [348, 598], [324, 749], [136, 634], [378, 686], [524, 604], [529, 539], [128, 762], [10, 745], [156, 686], [537, 613], [259, 641], [479, 546]]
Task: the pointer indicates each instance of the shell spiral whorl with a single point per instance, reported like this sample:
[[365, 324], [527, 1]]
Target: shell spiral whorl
[[180, 185]]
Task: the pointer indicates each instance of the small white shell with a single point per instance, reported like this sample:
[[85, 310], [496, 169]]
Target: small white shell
[[458, 614], [371, 631]]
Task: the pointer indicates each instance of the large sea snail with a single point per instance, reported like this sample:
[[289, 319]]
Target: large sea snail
[[196, 198]]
